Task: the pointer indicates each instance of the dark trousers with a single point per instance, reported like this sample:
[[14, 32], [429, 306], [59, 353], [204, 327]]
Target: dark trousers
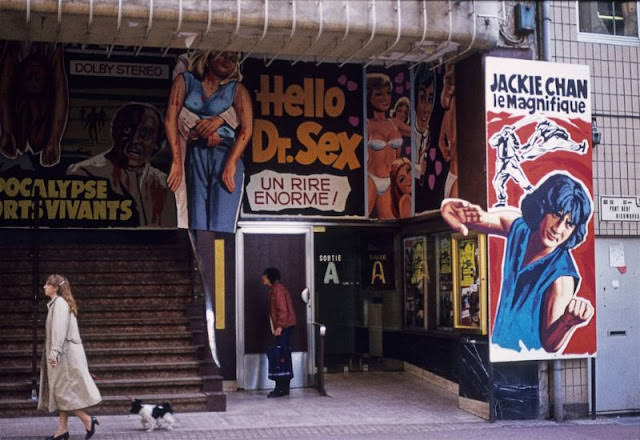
[[284, 340]]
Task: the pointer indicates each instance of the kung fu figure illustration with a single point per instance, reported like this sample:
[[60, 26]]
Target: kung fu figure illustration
[[538, 308], [547, 137]]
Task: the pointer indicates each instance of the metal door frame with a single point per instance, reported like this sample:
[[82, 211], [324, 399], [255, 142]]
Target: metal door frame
[[274, 228]]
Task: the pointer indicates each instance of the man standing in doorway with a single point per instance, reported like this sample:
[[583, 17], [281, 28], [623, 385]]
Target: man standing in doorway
[[282, 317]]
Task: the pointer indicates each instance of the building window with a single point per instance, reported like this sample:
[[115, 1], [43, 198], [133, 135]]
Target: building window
[[615, 18]]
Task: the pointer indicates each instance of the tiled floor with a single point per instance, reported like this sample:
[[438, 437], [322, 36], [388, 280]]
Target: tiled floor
[[371, 405]]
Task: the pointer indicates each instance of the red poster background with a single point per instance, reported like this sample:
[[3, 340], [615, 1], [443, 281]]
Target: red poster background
[[579, 166]]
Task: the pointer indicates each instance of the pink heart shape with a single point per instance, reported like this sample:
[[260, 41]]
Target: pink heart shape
[[399, 90], [354, 120], [399, 78], [352, 85], [438, 167], [432, 153], [342, 79], [431, 180]]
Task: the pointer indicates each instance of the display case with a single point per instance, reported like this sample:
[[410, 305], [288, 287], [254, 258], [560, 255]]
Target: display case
[[416, 277], [469, 282], [444, 281]]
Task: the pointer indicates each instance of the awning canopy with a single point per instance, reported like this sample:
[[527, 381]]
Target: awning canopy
[[369, 31]]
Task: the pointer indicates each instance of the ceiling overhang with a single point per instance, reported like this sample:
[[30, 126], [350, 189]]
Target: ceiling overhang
[[364, 31]]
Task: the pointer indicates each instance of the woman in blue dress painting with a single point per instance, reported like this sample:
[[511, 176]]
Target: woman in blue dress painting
[[538, 306], [209, 122]]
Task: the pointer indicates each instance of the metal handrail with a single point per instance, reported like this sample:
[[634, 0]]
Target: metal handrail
[[208, 304], [322, 330], [35, 271]]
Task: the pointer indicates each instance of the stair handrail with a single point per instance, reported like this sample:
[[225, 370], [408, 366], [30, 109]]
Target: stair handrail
[[208, 305], [35, 274]]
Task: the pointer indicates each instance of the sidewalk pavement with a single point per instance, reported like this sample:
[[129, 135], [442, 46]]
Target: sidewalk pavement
[[391, 405]]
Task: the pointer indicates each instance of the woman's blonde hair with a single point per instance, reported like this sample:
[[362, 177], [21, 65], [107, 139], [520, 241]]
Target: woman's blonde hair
[[403, 100], [64, 290], [199, 60], [396, 193], [376, 81]]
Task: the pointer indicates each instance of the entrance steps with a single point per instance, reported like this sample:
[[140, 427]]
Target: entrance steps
[[136, 292]]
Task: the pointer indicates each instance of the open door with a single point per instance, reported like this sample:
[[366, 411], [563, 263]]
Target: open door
[[290, 249]]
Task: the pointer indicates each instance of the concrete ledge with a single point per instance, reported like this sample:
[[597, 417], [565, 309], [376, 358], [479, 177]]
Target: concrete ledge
[[475, 407], [229, 386], [432, 378]]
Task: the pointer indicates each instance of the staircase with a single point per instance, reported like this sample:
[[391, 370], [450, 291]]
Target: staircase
[[140, 315]]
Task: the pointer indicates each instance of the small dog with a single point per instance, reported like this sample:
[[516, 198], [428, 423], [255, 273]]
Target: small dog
[[153, 416]]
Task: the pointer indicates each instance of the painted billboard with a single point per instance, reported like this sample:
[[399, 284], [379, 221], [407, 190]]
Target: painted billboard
[[306, 156], [83, 132], [540, 205], [435, 138], [195, 140], [388, 138]]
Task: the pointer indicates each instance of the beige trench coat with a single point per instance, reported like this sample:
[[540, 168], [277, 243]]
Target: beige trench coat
[[68, 386]]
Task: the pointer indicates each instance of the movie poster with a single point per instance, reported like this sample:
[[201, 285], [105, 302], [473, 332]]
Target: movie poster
[[84, 133], [540, 211], [388, 140], [435, 137], [306, 156], [416, 279]]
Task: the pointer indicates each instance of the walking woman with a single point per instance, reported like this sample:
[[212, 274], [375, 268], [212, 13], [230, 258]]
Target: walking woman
[[65, 383]]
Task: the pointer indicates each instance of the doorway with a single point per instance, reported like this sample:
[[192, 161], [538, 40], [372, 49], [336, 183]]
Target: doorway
[[288, 248], [618, 332]]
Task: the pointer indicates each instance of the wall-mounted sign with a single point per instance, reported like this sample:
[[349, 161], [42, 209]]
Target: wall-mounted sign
[[376, 260], [620, 208], [118, 69]]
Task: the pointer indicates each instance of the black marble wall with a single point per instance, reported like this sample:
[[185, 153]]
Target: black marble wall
[[465, 360], [433, 352], [474, 369], [515, 391]]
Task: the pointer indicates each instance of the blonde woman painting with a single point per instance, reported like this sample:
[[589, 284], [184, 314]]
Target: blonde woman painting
[[383, 144], [207, 172]]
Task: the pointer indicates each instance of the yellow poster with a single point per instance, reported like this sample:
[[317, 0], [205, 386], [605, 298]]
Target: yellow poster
[[467, 262]]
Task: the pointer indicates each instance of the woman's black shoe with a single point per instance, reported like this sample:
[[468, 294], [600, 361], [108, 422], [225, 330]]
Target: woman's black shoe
[[63, 436], [90, 432]]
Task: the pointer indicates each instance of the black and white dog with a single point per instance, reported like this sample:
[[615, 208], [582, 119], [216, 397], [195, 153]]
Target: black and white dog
[[153, 416]]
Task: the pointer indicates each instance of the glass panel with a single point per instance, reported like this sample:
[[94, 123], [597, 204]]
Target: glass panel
[[612, 18], [629, 23], [469, 282], [590, 17], [416, 278], [445, 282], [605, 14]]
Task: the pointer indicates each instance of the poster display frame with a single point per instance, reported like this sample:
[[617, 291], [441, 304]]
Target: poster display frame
[[408, 273], [480, 280]]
